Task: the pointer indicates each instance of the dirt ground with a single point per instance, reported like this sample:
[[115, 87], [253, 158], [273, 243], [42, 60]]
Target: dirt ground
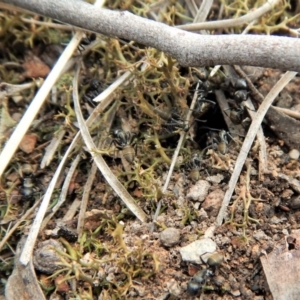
[[114, 255]]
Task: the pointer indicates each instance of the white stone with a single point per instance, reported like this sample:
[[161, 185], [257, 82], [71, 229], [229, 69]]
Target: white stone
[[199, 191], [294, 154], [193, 251]]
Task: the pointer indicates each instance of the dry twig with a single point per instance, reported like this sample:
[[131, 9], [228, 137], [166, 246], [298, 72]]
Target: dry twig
[[188, 48], [248, 18]]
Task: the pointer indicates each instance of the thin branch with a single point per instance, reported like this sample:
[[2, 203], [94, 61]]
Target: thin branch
[[232, 22], [36, 22], [188, 48], [285, 79], [245, 31]]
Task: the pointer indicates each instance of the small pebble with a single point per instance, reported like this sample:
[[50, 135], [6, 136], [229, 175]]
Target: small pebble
[[216, 178], [202, 214], [235, 293], [213, 202], [199, 191], [195, 250], [28, 143], [210, 231], [46, 258], [16, 116], [174, 288], [55, 296], [197, 205], [287, 193], [260, 235], [294, 154], [295, 203], [170, 237], [255, 251], [276, 220]]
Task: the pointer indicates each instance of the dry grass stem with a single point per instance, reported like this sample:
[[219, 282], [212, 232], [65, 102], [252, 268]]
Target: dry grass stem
[[200, 16], [7, 89], [72, 211], [192, 7], [64, 191], [51, 149], [35, 228], [21, 129], [263, 157], [85, 198], [251, 16], [105, 170], [203, 11], [263, 160], [288, 112], [112, 88], [286, 78], [17, 224], [35, 105]]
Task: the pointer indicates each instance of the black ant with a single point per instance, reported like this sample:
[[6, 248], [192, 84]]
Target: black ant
[[85, 41], [237, 112], [241, 90], [123, 140], [220, 139], [95, 88], [194, 165], [173, 120]]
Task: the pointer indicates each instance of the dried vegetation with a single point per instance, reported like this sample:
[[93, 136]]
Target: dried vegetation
[[103, 252]]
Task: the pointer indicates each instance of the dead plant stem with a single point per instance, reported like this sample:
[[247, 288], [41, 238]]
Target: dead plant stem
[[248, 18], [188, 48], [285, 79]]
